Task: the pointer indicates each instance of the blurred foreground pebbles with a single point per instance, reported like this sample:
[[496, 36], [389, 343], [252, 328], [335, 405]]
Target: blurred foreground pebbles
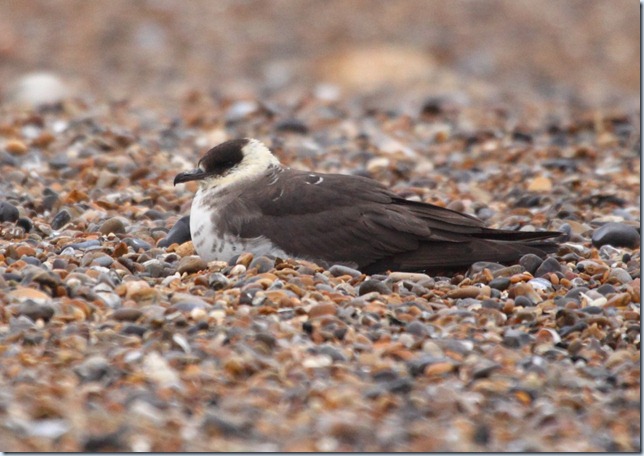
[[114, 336]]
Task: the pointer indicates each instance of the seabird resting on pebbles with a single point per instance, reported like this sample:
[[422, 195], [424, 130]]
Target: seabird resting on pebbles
[[248, 202]]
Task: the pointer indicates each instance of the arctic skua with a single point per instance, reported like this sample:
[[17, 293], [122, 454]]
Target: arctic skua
[[248, 202]]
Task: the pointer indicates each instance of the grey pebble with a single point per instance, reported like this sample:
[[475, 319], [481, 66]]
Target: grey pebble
[[575, 293], [36, 311], [530, 262], [549, 265], [523, 301], [333, 352], [131, 329], [8, 212], [85, 245], [338, 270], [155, 268], [262, 264], [417, 329], [137, 244], [61, 219], [112, 225], [606, 289], [218, 281], [617, 235], [93, 369], [500, 283], [187, 305], [371, 285], [178, 234], [513, 338], [619, 274], [542, 284]]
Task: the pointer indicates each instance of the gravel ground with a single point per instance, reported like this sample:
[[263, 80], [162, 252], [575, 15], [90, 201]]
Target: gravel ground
[[115, 338]]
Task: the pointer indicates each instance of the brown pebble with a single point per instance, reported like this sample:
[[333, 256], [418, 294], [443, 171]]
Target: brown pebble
[[322, 309], [184, 249], [191, 264], [438, 369], [16, 147], [464, 292], [113, 225], [127, 314]]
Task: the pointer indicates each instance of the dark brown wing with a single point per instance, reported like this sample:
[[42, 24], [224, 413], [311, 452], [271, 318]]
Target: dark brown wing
[[351, 219]]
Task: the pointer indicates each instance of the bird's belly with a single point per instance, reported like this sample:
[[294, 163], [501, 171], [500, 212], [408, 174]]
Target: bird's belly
[[211, 244]]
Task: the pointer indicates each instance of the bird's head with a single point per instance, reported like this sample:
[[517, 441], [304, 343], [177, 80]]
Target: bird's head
[[231, 161]]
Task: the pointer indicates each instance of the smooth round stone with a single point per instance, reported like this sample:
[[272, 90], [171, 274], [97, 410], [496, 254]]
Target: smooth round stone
[[417, 329], [103, 260], [155, 268], [549, 265], [530, 262], [35, 311], [575, 293], [8, 212], [127, 314], [113, 225], [137, 244], [218, 281], [333, 352], [31, 260], [369, 286], [541, 284], [131, 329], [191, 264], [500, 283], [25, 224], [338, 270], [606, 289], [617, 235], [513, 338], [178, 234], [62, 218], [523, 301], [619, 274], [85, 244], [262, 264], [93, 369]]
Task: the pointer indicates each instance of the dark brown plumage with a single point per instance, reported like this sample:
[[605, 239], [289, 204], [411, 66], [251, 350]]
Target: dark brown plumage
[[343, 219]]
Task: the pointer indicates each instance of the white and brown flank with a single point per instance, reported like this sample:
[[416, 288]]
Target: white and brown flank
[[248, 202]]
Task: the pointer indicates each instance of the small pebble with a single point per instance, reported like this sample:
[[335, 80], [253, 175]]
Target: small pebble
[[8, 212], [62, 218], [113, 225], [191, 264], [530, 263], [371, 285], [549, 265], [178, 234], [617, 235], [338, 270], [35, 311]]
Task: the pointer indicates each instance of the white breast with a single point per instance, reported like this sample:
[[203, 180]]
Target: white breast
[[211, 244]]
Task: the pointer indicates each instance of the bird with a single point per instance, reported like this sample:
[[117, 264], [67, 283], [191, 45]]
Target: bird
[[248, 201]]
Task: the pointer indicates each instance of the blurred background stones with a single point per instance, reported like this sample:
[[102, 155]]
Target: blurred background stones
[[157, 51]]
